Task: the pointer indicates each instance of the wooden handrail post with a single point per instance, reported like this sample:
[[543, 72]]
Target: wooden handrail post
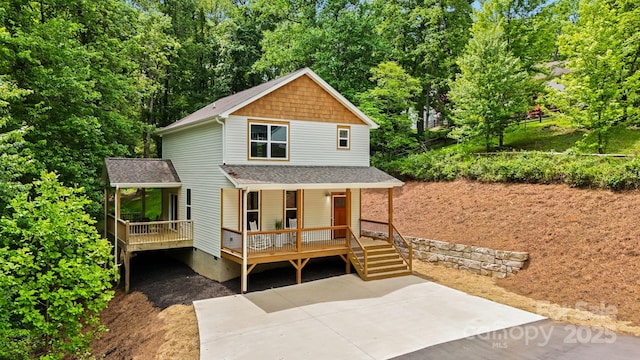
[[366, 263], [390, 196], [410, 257]]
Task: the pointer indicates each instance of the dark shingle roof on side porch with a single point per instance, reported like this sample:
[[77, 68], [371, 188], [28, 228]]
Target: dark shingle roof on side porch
[[131, 172], [308, 176]]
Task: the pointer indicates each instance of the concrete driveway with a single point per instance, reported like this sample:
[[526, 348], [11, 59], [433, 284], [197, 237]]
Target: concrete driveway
[[344, 317]]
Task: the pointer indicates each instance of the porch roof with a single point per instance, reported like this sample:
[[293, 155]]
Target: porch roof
[[269, 177], [140, 173]]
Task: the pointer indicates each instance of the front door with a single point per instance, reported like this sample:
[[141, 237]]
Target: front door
[[339, 215]]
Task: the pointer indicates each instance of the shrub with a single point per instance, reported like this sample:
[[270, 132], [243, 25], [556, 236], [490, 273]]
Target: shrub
[[55, 273], [523, 167]]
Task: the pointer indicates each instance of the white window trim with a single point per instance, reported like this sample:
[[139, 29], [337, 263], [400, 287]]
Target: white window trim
[[269, 141], [348, 138], [287, 209], [257, 211]]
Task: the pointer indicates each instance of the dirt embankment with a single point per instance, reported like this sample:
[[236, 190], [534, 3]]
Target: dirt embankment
[[584, 245]]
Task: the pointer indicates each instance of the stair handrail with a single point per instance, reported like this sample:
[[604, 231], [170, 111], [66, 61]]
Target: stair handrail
[[364, 252], [409, 258]]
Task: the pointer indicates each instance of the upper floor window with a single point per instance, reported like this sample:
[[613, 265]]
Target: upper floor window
[[269, 141], [344, 137]]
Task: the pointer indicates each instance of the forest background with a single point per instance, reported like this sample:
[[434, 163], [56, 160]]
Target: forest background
[[84, 80]]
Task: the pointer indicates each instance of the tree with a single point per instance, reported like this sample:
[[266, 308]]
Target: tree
[[83, 102], [425, 37], [595, 50], [388, 103], [491, 87], [337, 38], [530, 28], [15, 160], [54, 272]]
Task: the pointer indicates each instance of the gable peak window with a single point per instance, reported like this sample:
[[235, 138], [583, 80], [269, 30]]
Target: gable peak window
[[268, 141]]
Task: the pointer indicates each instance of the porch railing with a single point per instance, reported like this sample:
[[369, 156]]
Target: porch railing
[[286, 240], [380, 230], [152, 231], [358, 254]]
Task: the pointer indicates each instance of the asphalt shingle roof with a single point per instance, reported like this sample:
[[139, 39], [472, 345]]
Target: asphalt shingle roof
[[244, 175], [140, 171], [226, 103]]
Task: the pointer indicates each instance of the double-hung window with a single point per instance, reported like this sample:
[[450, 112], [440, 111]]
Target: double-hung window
[[253, 210], [290, 208], [268, 141], [344, 138]]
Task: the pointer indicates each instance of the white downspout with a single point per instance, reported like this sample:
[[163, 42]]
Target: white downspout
[[224, 139], [106, 212], [115, 228], [244, 241]]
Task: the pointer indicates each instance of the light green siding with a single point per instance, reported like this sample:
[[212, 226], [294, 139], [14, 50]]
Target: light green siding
[[310, 143], [196, 154]]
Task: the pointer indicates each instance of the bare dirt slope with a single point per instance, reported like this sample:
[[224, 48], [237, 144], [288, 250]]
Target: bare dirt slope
[[583, 244]]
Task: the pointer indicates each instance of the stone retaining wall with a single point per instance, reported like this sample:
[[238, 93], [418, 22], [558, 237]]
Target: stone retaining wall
[[478, 260]]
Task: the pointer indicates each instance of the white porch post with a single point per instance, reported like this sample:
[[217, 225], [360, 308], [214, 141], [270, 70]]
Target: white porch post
[[116, 212], [244, 241], [106, 211]]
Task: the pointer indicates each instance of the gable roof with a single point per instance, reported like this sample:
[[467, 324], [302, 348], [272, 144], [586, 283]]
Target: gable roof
[[222, 108], [265, 177], [138, 173]]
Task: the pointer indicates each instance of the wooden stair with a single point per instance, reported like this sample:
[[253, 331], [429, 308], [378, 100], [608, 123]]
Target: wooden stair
[[383, 261]]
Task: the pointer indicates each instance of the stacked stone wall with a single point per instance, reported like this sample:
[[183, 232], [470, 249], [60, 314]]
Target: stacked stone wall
[[478, 260]]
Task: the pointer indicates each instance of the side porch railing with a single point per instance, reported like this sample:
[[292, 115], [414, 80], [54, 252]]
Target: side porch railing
[[380, 230], [151, 232]]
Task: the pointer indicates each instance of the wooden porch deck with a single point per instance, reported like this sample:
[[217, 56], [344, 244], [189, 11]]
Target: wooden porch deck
[[144, 236], [151, 235], [372, 257]]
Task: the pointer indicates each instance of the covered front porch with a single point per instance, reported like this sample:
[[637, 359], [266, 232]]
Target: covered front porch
[[294, 221], [132, 232]]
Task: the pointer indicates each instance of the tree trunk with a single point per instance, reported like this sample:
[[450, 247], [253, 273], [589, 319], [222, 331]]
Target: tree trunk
[[501, 139], [600, 147], [486, 140]]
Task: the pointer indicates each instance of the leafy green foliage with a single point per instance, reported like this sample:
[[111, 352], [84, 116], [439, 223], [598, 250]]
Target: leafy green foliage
[[54, 272], [425, 38], [491, 86], [522, 167], [594, 47], [337, 38], [15, 159], [530, 28], [388, 103], [73, 59]]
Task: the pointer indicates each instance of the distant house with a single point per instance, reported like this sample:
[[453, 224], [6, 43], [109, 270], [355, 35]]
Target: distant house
[[270, 174]]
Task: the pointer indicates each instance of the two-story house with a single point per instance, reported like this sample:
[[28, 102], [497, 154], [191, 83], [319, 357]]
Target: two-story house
[[270, 174]]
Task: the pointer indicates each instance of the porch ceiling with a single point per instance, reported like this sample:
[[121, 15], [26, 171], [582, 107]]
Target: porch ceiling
[[140, 173], [267, 177]]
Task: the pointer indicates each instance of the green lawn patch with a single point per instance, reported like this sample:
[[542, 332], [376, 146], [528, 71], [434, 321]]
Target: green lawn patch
[[133, 204]]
